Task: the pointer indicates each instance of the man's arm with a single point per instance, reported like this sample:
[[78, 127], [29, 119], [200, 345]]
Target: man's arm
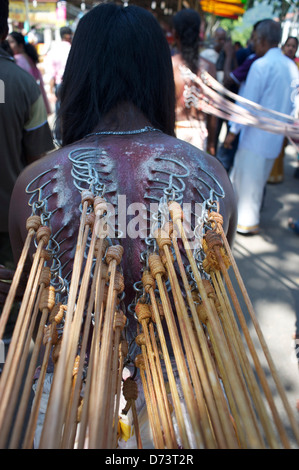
[[37, 136], [230, 58]]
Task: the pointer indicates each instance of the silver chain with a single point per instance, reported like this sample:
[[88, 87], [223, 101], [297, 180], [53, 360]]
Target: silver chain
[[133, 132]]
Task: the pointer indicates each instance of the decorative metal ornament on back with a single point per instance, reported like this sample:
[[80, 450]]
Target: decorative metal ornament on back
[[191, 359]]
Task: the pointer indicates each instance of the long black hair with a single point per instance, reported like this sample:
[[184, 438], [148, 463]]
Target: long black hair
[[4, 9], [187, 27], [29, 49], [119, 54]]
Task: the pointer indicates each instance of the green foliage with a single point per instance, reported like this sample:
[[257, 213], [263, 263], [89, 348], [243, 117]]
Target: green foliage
[[241, 32], [236, 31], [281, 7]]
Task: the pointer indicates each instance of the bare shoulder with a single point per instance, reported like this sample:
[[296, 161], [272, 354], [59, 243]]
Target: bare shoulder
[[206, 176], [194, 156], [176, 59], [32, 180]]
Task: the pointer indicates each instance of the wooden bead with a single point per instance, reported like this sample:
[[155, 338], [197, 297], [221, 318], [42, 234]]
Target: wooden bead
[[43, 234], [213, 239], [156, 265], [201, 312], [87, 196], [148, 281], [216, 217], [47, 298], [139, 361], [176, 211], [33, 222], [90, 218], [57, 313], [119, 284], [114, 252], [120, 320], [100, 206], [45, 276], [45, 254], [130, 389], [162, 238], [143, 312], [140, 339]]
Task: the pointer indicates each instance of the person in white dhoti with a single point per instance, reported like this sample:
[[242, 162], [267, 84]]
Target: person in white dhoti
[[271, 82]]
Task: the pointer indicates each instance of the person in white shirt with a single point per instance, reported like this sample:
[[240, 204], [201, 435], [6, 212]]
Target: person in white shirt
[[57, 57], [55, 64], [270, 83]]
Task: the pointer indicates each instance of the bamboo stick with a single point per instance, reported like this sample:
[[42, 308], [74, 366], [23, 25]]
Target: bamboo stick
[[49, 339], [162, 385], [118, 326], [46, 300], [69, 435], [176, 214], [123, 351], [185, 322], [32, 225], [221, 407], [258, 366], [263, 343], [58, 400], [193, 356], [144, 315], [154, 397], [149, 285], [113, 258], [57, 311], [156, 432], [16, 346], [233, 332], [158, 272], [15, 439]]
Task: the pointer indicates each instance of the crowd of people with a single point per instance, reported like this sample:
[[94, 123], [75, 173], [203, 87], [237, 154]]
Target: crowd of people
[[264, 72]]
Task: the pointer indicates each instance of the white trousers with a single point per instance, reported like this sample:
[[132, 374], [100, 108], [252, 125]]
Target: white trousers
[[249, 176]]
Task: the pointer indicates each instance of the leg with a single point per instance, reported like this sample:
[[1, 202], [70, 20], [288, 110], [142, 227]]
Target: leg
[[249, 176]]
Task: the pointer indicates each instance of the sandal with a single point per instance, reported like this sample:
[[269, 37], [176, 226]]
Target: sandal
[[294, 226]]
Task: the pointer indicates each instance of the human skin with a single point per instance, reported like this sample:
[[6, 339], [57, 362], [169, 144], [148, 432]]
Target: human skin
[[129, 168], [290, 48], [182, 113]]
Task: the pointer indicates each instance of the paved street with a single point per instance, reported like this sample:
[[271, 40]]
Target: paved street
[[269, 266]]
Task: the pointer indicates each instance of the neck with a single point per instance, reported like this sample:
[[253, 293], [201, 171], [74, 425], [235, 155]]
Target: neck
[[124, 117]]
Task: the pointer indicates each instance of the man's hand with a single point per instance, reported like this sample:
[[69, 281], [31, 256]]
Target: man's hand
[[229, 139], [229, 48], [211, 149]]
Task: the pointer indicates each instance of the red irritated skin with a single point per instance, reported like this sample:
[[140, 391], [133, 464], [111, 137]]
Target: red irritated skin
[[132, 168]]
